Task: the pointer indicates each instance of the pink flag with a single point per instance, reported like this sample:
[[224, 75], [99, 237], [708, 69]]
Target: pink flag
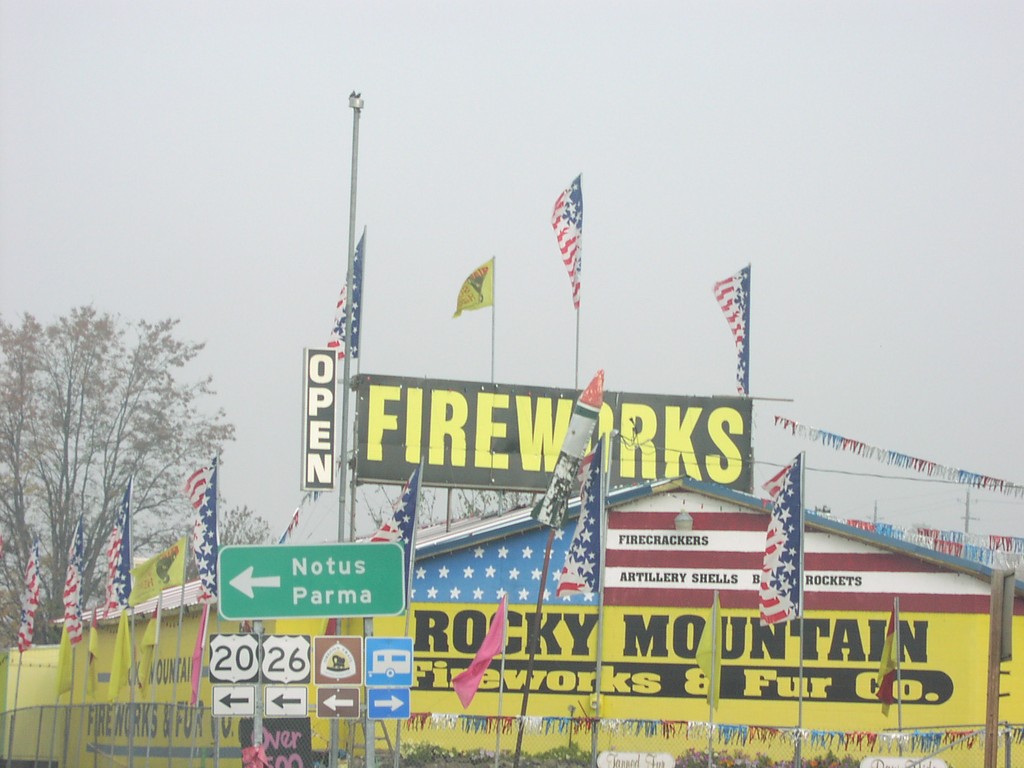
[[467, 682], [197, 654]]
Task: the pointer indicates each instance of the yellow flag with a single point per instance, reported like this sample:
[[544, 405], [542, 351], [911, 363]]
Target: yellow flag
[[120, 667], [478, 290], [146, 652], [94, 649], [64, 663], [886, 680], [156, 574], [709, 654]]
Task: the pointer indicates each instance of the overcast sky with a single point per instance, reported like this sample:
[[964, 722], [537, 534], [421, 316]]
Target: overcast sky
[[193, 160]]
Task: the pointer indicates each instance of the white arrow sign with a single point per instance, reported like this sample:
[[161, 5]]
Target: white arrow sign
[[234, 700], [393, 703], [245, 581], [336, 702], [285, 700]]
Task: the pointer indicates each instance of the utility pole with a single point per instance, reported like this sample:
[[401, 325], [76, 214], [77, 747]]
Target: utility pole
[[967, 513]]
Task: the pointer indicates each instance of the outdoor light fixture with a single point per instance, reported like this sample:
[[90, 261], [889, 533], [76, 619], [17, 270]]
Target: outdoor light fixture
[[683, 521]]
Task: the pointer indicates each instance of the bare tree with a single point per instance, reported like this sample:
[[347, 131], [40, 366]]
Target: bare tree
[[241, 525], [86, 403]]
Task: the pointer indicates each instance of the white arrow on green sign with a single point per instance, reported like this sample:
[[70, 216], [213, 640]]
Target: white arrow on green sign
[[311, 581]]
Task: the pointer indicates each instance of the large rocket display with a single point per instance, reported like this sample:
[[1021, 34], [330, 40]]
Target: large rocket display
[[550, 510]]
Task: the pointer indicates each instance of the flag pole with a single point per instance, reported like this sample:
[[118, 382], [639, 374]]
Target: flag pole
[[350, 344], [131, 625], [501, 686], [151, 672], [175, 670], [601, 545], [899, 682], [534, 641], [712, 697], [14, 709], [494, 282], [800, 604], [355, 102], [408, 593], [576, 374]]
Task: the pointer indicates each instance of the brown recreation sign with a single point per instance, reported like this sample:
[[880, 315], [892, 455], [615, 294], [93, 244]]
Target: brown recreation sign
[[508, 436]]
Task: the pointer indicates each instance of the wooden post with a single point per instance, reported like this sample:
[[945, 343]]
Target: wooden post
[[1001, 581]]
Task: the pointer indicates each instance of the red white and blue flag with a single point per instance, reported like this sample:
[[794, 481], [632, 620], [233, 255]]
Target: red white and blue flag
[[733, 295], [29, 600], [292, 525], [774, 483], [580, 574], [401, 525], [337, 340], [201, 489], [73, 586], [781, 575], [119, 555], [567, 221]]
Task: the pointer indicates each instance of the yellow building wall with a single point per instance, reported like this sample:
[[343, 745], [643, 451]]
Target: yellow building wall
[[648, 672]]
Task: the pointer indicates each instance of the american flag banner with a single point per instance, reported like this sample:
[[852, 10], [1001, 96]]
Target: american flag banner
[[782, 572], [774, 483], [580, 574], [337, 340], [733, 295], [401, 526], [201, 489], [292, 525], [29, 600], [567, 221], [73, 586], [119, 555]]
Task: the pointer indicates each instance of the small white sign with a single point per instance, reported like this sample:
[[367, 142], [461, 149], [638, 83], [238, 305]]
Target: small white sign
[[635, 760], [286, 659], [234, 700], [234, 658], [285, 700], [902, 762]]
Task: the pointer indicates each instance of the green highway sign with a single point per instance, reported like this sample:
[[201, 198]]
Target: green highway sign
[[311, 581]]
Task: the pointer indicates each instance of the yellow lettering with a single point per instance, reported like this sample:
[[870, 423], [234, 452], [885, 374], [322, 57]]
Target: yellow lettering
[[639, 428], [413, 424], [679, 442], [605, 424], [725, 468], [647, 682], [540, 434], [866, 685], [817, 687], [487, 430], [756, 681], [448, 414], [696, 682], [380, 420]]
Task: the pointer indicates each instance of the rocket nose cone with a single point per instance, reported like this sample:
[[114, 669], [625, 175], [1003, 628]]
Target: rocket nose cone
[[593, 395]]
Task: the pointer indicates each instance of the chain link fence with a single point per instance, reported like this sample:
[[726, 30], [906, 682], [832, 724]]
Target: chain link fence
[[181, 736]]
